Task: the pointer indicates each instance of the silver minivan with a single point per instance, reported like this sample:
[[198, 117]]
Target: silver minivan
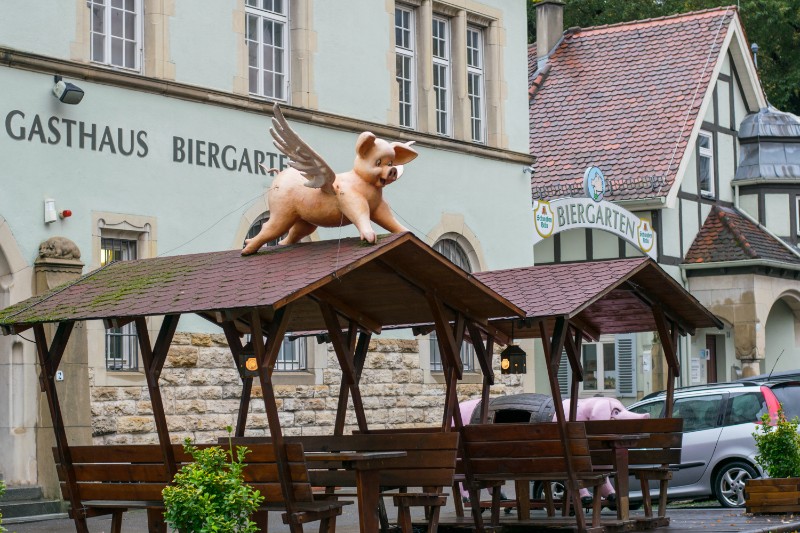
[[718, 451]]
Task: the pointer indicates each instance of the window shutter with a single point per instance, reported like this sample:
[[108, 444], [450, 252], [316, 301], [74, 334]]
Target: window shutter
[[626, 365], [564, 375]]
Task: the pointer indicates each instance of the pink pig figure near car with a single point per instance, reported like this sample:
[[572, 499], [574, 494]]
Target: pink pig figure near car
[[601, 408]]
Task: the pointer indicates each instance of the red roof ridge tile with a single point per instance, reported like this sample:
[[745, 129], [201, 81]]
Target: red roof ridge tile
[[637, 24], [741, 239]]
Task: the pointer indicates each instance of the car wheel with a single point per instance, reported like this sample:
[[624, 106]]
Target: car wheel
[[729, 483], [537, 490]]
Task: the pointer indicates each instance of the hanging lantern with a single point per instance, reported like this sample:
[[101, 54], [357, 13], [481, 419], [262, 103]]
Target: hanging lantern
[[512, 360], [248, 364]]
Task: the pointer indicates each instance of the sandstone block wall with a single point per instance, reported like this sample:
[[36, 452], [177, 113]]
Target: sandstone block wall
[[201, 388]]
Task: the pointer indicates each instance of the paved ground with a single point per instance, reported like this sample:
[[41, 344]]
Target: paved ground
[[715, 520], [683, 518]]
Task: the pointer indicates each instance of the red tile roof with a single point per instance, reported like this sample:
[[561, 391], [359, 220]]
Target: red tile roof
[[374, 282], [727, 235], [624, 98], [607, 296]]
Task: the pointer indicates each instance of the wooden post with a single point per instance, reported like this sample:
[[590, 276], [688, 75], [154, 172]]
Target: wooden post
[[235, 344], [153, 359], [49, 359], [669, 343], [345, 356], [484, 356], [553, 345], [573, 348], [264, 355]]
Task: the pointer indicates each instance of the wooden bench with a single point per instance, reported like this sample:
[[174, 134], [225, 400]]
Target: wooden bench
[[650, 459], [429, 463], [496, 453], [113, 479]]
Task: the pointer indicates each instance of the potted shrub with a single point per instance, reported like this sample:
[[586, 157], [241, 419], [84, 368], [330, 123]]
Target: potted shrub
[[209, 494], [778, 447]]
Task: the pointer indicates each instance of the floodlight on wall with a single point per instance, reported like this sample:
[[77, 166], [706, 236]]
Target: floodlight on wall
[[66, 92]]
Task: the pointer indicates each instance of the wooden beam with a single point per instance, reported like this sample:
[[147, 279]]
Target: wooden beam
[[482, 354], [235, 345], [367, 322], [151, 371], [48, 363], [572, 346], [444, 335], [345, 357]]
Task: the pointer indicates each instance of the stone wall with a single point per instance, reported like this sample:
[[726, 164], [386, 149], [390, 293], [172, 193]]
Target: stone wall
[[201, 389]]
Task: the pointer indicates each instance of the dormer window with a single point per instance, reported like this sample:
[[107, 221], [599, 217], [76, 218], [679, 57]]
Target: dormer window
[[705, 163]]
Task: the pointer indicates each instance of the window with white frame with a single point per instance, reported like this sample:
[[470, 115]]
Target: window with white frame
[[475, 88], [121, 344], [404, 59], [456, 254], [441, 73], [797, 214], [705, 160], [609, 367], [599, 367], [116, 30], [293, 355], [266, 33]]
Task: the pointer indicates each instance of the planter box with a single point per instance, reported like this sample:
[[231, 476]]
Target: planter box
[[780, 495]]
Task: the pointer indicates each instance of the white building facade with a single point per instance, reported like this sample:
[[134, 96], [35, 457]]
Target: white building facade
[[163, 154]]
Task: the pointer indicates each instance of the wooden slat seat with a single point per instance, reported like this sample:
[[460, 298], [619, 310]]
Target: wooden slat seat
[[113, 479], [650, 460], [429, 464], [526, 452]]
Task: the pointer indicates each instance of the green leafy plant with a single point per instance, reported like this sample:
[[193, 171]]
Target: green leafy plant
[[778, 446], [209, 494], [2, 491]]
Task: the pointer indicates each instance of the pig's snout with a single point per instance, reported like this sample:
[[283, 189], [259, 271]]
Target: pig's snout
[[391, 175]]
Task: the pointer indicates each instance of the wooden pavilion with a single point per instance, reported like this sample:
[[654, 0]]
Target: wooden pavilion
[[346, 288], [566, 303]]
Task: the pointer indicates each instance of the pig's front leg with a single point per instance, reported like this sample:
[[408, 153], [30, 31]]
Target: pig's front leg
[[356, 208]]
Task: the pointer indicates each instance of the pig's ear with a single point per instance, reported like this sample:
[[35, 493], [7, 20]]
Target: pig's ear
[[403, 153], [601, 410], [365, 143]]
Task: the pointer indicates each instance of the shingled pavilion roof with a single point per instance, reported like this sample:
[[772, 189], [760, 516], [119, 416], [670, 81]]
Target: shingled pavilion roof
[[376, 285], [604, 297]]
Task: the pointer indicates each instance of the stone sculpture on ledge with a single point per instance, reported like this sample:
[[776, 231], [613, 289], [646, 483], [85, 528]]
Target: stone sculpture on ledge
[[309, 194]]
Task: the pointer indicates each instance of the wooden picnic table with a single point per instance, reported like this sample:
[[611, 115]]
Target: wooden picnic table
[[619, 445], [367, 466]]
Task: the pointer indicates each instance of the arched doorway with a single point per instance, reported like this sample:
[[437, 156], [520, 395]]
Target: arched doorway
[[782, 349], [18, 395]]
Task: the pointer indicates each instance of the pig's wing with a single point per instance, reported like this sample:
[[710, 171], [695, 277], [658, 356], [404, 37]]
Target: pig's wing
[[301, 156]]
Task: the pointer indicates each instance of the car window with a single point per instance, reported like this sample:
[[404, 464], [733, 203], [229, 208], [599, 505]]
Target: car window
[[654, 409], [699, 412], [745, 408], [789, 397]]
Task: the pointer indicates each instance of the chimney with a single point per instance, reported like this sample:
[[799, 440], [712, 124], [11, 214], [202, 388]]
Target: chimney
[[549, 26]]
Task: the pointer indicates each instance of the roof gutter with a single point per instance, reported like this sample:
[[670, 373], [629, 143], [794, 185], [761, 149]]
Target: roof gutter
[[652, 202], [741, 264]]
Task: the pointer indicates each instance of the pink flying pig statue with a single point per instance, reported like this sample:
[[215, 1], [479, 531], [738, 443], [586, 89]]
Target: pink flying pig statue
[[309, 194]]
